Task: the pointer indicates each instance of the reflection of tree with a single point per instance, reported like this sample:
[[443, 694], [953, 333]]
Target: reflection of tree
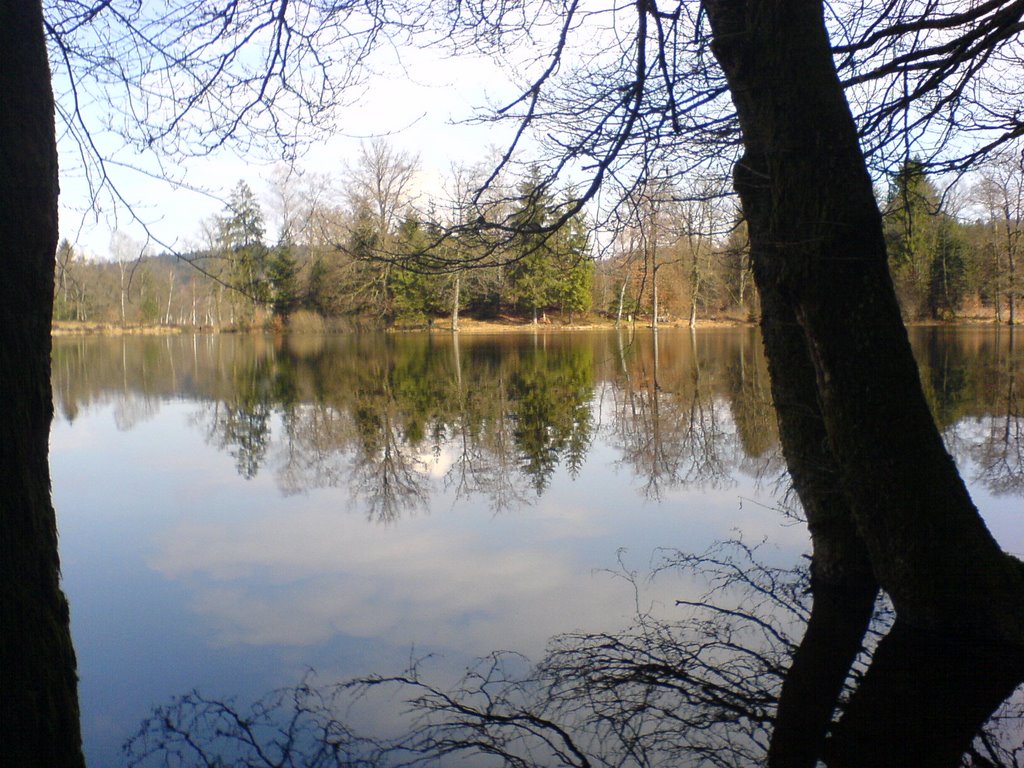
[[313, 433], [196, 730], [1000, 454], [481, 443], [385, 470], [131, 410], [243, 429], [500, 415], [704, 434], [948, 376], [669, 421], [364, 432], [749, 395], [702, 690], [550, 392], [241, 425]]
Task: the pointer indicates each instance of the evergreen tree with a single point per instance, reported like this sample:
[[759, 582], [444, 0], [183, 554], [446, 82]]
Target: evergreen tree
[[240, 232], [912, 219], [416, 292], [315, 295], [575, 277], [283, 277], [948, 276], [533, 275]]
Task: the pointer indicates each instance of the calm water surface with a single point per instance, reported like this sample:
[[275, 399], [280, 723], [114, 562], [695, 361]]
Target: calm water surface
[[235, 511]]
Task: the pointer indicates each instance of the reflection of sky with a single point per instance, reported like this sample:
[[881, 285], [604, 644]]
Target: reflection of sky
[[1002, 511], [181, 574]]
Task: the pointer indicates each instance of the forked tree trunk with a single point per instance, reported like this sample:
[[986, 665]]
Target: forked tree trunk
[[819, 262], [38, 685]]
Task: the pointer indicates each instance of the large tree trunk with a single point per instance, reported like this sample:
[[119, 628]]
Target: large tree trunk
[[820, 264], [842, 581], [38, 684]]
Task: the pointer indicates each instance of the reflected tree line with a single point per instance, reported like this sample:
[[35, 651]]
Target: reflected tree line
[[390, 416]]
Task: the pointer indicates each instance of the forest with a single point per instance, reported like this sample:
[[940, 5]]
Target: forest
[[366, 251]]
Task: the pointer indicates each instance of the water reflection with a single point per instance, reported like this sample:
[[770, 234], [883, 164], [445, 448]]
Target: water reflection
[[398, 422], [702, 690], [385, 416]]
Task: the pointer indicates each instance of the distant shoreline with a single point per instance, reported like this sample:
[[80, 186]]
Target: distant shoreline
[[466, 326]]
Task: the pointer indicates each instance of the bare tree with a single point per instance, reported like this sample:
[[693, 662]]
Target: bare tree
[[382, 178], [1001, 193]]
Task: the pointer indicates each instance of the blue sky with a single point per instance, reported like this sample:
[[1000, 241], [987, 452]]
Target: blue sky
[[418, 108]]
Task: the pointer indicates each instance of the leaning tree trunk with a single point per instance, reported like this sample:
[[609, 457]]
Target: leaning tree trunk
[[843, 585], [38, 684], [819, 262]]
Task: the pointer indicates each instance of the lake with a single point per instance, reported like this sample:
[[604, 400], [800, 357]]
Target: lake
[[235, 511]]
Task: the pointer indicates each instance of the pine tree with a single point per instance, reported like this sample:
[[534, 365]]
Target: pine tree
[[948, 277], [533, 275], [240, 233], [283, 277], [575, 276], [912, 219], [416, 291]]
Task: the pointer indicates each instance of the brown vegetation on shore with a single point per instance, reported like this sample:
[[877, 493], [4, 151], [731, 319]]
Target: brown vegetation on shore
[[466, 326], [74, 327]]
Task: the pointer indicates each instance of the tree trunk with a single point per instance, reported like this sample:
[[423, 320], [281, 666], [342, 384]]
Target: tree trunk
[[121, 267], [455, 303], [820, 264], [654, 298], [170, 293], [842, 581], [38, 683], [694, 286], [1012, 265]]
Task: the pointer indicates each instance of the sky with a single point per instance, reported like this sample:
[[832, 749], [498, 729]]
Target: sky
[[420, 110]]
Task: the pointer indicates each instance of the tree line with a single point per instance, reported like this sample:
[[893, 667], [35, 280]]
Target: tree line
[[371, 255]]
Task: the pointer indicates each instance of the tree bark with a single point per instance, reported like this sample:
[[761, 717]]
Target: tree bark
[[819, 262], [38, 684], [842, 582]]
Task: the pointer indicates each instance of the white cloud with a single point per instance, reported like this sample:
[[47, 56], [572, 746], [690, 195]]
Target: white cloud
[[301, 579]]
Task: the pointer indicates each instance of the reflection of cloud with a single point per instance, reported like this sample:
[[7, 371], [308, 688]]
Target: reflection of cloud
[[435, 464], [306, 577]]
